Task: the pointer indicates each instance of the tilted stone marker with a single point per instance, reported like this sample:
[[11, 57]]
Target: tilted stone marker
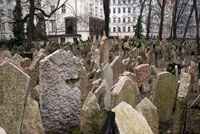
[[130, 121], [165, 94], [125, 90], [181, 104], [61, 90], [14, 85], [149, 111], [142, 71]]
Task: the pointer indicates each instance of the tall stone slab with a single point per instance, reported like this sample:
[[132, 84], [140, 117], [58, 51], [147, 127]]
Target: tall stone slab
[[107, 74], [117, 67], [149, 111], [61, 76], [105, 49], [130, 121], [14, 85], [165, 95], [181, 104], [142, 71], [125, 90]]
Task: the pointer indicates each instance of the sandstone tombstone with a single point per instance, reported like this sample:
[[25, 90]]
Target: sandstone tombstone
[[13, 93], [61, 89], [105, 49], [118, 68], [181, 104], [164, 96], [130, 121], [107, 74], [142, 71], [149, 111], [17, 58], [92, 116], [32, 123], [26, 62], [126, 90], [2, 131]]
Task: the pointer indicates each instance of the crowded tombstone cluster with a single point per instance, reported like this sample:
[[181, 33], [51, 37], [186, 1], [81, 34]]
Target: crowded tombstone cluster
[[119, 87]]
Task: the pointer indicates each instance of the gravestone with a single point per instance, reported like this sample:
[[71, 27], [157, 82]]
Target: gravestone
[[125, 90], [142, 71], [165, 94], [105, 49], [14, 85], [130, 121], [149, 111], [107, 74], [61, 88], [181, 104], [118, 68]]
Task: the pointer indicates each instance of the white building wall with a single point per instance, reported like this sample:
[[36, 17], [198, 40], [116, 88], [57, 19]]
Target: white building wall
[[6, 25]]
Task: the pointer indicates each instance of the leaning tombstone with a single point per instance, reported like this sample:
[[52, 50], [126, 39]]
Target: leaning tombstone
[[14, 85]]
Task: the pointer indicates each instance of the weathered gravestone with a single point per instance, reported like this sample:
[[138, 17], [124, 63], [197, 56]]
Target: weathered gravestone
[[107, 74], [2, 131], [61, 87], [13, 94], [142, 71], [105, 49], [118, 68], [164, 96], [149, 111], [126, 90], [130, 121], [181, 104]]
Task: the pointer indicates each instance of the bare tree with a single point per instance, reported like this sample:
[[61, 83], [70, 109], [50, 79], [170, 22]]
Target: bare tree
[[33, 10], [149, 19], [106, 5], [197, 14], [162, 7], [187, 24]]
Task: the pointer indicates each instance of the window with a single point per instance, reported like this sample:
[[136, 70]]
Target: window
[[124, 10], [113, 1], [109, 20], [129, 10], [114, 29], [1, 12], [1, 1], [90, 9], [9, 12], [134, 8], [129, 19], [10, 26], [124, 1], [124, 19], [124, 29], [62, 40], [101, 12], [3, 26], [96, 11], [119, 10], [63, 9], [129, 1], [52, 8], [119, 20], [119, 29], [114, 11], [53, 25], [119, 1], [129, 29], [114, 20], [180, 31]]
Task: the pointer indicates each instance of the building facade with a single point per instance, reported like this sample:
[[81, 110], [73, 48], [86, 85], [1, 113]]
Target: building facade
[[191, 32], [76, 20], [6, 15]]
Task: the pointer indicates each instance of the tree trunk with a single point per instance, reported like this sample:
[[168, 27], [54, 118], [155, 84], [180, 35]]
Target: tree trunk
[[149, 20], [197, 26], [106, 4], [161, 20], [30, 25], [174, 22], [187, 24]]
